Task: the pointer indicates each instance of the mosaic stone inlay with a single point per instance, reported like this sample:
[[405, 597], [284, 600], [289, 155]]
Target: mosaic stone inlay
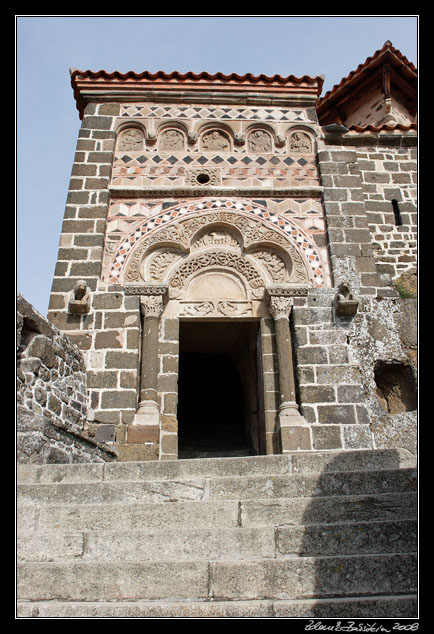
[[141, 169], [171, 214], [213, 112]]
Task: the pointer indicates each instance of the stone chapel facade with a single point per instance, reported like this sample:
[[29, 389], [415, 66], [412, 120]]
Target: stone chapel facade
[[235, 257]]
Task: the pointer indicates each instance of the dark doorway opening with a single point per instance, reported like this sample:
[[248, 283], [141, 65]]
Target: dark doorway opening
[[218, 407]]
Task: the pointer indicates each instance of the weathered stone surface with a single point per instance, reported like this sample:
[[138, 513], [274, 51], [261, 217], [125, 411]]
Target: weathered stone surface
[[113, 581], [382, 607], [330, 510], [307, 576], [179, 532]]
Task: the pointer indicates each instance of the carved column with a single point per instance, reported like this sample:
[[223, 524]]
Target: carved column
[[151, 307], [294, 432]]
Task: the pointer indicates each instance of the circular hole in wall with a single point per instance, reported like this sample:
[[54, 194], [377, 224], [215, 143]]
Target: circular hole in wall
[[202, 178]]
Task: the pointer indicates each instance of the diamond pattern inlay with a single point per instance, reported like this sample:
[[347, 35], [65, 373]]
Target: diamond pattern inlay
[[306, 245]]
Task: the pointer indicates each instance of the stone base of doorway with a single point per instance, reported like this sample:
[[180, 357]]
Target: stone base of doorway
[[295, 438]]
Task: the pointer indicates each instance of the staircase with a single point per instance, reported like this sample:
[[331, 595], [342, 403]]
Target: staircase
[[291, 536]]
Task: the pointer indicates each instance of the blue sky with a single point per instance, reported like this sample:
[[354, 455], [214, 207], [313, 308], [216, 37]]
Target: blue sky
[[47, 122]]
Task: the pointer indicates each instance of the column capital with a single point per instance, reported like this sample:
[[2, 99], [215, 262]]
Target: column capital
[[280, 298], [151, 305], [280, 307]]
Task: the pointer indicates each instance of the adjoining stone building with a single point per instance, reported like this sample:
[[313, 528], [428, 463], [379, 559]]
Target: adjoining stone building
[[237, 257]]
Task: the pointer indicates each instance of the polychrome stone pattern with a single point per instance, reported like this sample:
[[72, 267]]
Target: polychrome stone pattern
[[130, 221], [248, 146]]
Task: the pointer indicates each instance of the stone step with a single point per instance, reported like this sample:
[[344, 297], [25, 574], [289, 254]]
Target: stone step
[[242, 580], [302, 462], [353, 607], [216, 544], [219, 488], [218, 513]]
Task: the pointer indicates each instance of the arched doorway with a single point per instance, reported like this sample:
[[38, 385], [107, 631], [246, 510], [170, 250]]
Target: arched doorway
[[220, 412], [212, 275]]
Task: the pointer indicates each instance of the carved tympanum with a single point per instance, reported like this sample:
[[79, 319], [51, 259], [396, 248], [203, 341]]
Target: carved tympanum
[[216, 258]]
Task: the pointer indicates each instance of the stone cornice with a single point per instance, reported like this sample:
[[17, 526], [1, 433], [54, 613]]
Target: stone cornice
[[194, 88], [314, 191]]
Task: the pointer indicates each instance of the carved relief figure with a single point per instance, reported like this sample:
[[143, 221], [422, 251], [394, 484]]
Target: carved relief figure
[[215, 140], [345, 302], [216, 238], [199, 309], [79, 301], [259, 141], [131, 140], [300, 142], [274, 265], [160, 264], [171, 140]]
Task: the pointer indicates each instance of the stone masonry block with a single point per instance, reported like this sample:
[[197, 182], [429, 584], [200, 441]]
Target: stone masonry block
[[338, 375], [171, 329], [105, 433], [326, 437], [96, 183], [111, 109], [109, 339], [336, 414], [295, 438], [357, 437], [72, 254], [311, 355], [143, 433], [169, 364], [101, 379], [115, 399], [350, 180], [77, 198], [107, 300], [95, 122], [317, 394], [122, 360], [343, 156], [85, 269], [100, 157]]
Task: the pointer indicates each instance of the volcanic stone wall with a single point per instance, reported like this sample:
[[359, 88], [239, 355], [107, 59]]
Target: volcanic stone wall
[[368, 242], [51, 395]]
